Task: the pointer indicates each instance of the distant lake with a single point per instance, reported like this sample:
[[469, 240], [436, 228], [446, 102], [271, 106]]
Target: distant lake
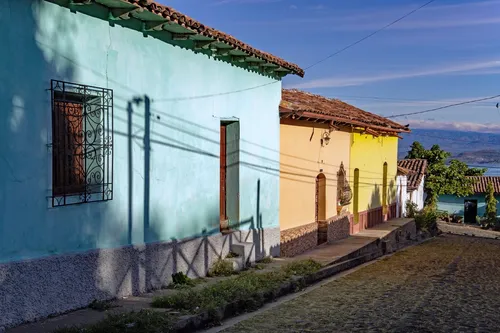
[[493, 169]]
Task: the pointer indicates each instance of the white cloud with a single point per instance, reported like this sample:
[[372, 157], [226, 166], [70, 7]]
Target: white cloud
[[463, 68], [293, 7], [400, 103], [466, 14], [459, 126]]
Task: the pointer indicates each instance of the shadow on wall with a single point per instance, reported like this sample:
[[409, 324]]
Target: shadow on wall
[[23, 139], [24, 147], [376, 198]]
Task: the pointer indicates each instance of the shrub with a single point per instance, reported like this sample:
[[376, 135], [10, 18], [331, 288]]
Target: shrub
[[411, 209], [491, 204], [181, 280], [247, 292], [426, 219], [222, 268]]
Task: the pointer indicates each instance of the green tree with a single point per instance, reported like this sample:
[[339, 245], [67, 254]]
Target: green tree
[[441, 178], [491, 203]]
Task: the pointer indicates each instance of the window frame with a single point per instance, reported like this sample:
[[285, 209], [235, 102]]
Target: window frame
[[82, 149]]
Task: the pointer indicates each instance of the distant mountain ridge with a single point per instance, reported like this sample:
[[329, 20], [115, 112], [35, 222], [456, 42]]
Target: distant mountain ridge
[[469, 147]]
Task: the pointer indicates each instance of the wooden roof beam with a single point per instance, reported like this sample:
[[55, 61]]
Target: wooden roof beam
[[202, 44], [347, 121], [153, 25], [122, 13], [183, 36]]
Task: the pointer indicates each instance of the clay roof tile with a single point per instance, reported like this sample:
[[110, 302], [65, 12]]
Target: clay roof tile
[[417, 168]]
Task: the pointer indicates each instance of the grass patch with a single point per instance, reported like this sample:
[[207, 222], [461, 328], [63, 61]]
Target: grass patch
[[249, 291], [222, 268], [259, 267], [232, 255], [136, 322], [302, 267], [182, 281], [266, 260]]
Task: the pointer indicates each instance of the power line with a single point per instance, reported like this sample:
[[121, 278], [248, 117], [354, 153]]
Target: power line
[[377, 98], [370, 35], [442, 107], [314, 64]]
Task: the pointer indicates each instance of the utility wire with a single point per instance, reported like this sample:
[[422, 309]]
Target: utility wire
[[314, 64], [370, 35], [442, 107], [393, 99]]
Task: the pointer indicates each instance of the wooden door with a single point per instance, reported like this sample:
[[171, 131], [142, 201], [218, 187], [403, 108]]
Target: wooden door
[[470, 211], [320, 197], [223, 160]]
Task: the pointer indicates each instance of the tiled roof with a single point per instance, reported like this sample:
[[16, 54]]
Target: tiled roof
[[417, 169], [481, 183], [157, 18], [403, 171], [298, 104]]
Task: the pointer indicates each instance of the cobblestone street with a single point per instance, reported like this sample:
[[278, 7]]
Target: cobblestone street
[[448, 284]]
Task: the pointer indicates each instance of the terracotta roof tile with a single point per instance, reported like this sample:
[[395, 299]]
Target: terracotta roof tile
[[403, 171], [417, 168], [306, 105], [481, 183], [185, 21]]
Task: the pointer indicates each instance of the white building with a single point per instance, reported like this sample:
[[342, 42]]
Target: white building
[[401, 191], [415, 169]]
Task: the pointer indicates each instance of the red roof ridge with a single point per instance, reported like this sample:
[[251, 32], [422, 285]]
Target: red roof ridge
[[481, 183], [299, 100], [187, 22], [417, 167]]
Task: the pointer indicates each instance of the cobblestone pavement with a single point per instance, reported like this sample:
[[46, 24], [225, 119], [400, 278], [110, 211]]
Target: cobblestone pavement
[[448, 284], [467, 230]]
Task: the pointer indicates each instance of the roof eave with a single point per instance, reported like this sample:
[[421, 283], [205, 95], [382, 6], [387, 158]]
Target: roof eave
[[369, 128], [173, 25]]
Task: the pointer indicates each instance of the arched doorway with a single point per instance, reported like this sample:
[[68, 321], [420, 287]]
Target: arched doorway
[[320, 197]]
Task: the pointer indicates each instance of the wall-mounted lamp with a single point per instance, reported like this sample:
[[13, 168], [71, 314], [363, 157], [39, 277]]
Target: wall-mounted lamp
[[326, 138]]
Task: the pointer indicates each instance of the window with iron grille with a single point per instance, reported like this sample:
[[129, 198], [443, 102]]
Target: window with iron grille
[[82, 142]]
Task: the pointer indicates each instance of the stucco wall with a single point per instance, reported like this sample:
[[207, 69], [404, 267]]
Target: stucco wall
[[183, 184], [455, 205], [301, 160], [417, 196], [368, 154], [402, 195]]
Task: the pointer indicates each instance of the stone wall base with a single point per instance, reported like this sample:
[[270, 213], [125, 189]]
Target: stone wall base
[[298, 240], [34, 289]]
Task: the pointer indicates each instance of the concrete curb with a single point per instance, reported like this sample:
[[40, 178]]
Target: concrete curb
[[192, 323]]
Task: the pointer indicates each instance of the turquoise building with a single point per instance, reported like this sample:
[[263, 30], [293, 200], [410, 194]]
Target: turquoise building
[[471, 206], [135, 142]]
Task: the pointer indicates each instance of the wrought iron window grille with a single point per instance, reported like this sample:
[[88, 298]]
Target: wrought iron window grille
[[82, 143]]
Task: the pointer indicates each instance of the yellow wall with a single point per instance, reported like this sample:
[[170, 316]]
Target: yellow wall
[[301, 158], [368, 154]]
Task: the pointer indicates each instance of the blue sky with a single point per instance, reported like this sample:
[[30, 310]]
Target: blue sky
[[444, 53]]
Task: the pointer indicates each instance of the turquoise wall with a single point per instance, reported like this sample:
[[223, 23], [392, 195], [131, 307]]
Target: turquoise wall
[[43, 41], [455, 205]]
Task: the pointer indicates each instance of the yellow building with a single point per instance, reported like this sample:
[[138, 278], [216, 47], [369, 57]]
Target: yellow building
[[373, 168], [324, 143]]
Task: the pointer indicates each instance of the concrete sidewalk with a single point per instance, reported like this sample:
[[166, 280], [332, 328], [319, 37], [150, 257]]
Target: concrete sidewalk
[[339, 256], [355, 245]]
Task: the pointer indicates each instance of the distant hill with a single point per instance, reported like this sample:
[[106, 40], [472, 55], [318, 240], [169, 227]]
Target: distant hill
[[469, 147]]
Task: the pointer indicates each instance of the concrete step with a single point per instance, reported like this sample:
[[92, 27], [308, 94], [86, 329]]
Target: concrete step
[[244, 250], [238, 263]]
